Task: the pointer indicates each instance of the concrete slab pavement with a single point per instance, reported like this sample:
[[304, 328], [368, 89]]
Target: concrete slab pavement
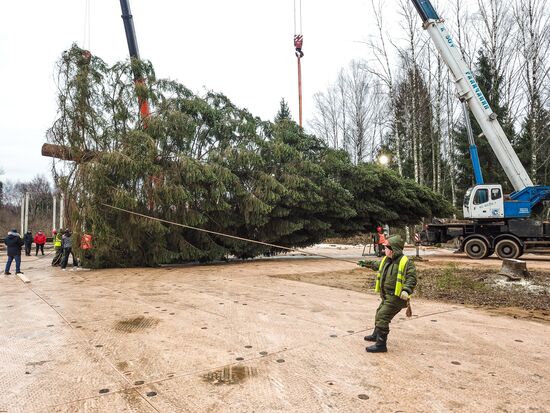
[[230, 338]]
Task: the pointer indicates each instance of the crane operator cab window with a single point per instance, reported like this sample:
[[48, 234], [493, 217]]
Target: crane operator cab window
[[481, 196], [484, 201]]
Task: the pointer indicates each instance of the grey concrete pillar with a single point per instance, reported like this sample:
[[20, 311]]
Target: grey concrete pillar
[[27, 197], [61, 210], [54, 221]]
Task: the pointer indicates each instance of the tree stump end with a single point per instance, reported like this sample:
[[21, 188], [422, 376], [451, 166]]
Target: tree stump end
[[514, 270]]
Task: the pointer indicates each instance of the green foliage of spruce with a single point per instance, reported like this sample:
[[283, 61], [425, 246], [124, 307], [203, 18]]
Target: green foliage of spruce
[[284, 112], [203, 162]]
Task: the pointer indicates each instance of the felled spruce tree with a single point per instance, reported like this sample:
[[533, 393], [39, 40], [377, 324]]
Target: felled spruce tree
[[203, 162]]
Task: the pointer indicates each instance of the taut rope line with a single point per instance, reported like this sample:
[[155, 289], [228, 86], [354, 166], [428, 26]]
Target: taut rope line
[[228, 236]]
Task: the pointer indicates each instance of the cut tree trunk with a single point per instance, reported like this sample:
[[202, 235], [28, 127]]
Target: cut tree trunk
[[515, 270], [67, 154]]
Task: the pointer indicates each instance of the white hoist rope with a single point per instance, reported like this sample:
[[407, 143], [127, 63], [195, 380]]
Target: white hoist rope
[[86, 36], [299, 16]]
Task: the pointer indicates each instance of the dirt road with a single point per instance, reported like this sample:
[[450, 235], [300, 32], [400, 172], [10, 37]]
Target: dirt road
[[240, 337]]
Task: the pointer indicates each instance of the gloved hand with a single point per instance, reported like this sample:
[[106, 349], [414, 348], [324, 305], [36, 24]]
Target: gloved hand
[[362, 263], [404, 295]]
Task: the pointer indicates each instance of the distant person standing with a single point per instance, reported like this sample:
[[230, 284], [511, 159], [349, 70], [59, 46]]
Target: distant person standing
[[40, 240], [14, 242], [28, 239], [67, 243], [380, 240], [86, 246], [58, 247]]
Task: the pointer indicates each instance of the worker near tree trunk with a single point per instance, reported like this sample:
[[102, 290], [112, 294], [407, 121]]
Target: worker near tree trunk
[[380, 240], [57, 247], [395, 281], [67, 243], [28, 238]]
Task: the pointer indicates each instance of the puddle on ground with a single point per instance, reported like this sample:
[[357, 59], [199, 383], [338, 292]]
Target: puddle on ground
[[122, 365], [230, 375], [131, 325]]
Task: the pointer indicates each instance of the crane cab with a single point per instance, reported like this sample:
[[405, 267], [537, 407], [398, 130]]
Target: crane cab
[[484, 202]]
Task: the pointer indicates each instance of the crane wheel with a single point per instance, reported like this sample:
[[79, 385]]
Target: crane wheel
[[508, 248], [476, 248]]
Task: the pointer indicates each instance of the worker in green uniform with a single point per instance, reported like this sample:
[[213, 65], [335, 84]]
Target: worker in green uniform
[[57, 247], [395, 281]]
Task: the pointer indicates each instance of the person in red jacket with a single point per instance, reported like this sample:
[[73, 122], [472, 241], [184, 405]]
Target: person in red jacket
[[380, 240], [40, 240]]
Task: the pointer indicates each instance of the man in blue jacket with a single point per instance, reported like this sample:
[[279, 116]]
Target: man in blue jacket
[[28, 239], [14, 243]]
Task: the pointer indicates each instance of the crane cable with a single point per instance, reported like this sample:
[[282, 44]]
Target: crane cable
[[86, 37], [298, 43], [300, 15], [226, 235], [298, 36], [409, 308]]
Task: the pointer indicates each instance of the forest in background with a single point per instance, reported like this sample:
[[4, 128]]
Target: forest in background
[[40, 205], [400, 100]]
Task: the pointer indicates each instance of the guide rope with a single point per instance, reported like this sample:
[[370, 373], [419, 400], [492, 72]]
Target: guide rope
[[409, 309], [227, 235]]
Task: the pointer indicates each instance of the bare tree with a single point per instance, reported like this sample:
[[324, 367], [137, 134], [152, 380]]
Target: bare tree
[[438, 119], [411, 57], [450, 150], [326, 120], [380, 66], [361, 104], [495, 29], [341, 86], [533, 21], [346, 115]]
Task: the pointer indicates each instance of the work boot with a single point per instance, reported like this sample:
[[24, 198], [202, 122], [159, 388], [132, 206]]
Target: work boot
[[19, 272], [380, 345], [7, 273], [373, 336]]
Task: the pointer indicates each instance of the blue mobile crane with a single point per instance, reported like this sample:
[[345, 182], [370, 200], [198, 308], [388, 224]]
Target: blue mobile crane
[[499, 223]]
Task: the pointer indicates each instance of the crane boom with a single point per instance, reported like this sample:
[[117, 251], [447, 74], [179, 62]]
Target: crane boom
[[131, 39], [129, 29], [469, 91]]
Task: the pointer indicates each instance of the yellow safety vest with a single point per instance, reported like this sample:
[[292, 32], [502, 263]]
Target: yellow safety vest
[[400, 275], [57, 241]]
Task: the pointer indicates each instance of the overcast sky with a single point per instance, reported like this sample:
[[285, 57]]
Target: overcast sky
[[242, 48]]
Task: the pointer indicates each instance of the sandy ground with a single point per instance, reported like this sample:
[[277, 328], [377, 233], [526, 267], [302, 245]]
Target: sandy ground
[[238, 338]]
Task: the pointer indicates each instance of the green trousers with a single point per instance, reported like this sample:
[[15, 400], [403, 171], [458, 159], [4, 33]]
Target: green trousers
[[387, 310]]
